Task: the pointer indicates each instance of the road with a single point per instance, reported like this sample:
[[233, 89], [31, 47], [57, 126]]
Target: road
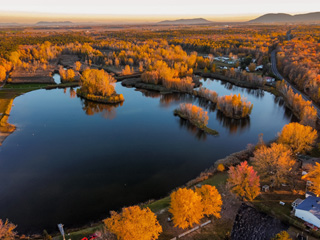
[[278, 75]]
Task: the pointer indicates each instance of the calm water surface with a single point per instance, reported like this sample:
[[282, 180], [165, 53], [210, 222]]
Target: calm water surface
[[71, 161]]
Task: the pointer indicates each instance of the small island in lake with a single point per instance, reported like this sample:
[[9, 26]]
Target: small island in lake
[[97, 85], [196, 116], [234, 107]]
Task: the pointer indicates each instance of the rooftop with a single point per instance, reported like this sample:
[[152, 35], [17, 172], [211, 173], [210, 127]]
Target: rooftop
[[312, 205]]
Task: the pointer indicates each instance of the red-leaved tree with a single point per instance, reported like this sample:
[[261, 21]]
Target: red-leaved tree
[[244, 181]]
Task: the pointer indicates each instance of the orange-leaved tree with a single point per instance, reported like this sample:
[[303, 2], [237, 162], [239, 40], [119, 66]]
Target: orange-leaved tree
[[274, 163], [244, 181], [314, 177], [7, 230], [186, 207], [211, 200], [97, 82], [298, 137], [3, 73], [134, 223]]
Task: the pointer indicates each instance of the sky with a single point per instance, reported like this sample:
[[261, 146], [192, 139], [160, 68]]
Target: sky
[[149, 10]]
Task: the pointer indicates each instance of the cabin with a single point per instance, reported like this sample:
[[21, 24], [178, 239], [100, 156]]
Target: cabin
[[309, 210]]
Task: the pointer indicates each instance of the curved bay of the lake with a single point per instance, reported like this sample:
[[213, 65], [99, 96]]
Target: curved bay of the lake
[[71, 162]]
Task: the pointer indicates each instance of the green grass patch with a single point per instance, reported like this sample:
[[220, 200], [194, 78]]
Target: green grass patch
[[86, 232], [26, 86], [158, 205], [217, 179]]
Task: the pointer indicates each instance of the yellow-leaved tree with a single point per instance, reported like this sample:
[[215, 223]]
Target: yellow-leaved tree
[[97, 82], [314, 177], [282, 236], [274, 164], [186, 207], [211, 200], [134, 223], [298, 137], [3, 73]]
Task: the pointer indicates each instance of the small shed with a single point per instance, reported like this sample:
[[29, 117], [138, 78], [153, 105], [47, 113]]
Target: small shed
[[265, 188]]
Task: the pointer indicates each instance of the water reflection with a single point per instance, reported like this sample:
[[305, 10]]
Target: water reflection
[[287, 113], [5, 128], [199, 134], [234, 125], [259, 93], [107, 111], [150, 94]]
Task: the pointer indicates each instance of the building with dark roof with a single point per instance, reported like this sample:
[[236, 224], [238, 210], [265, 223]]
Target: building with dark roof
[[309, 210]]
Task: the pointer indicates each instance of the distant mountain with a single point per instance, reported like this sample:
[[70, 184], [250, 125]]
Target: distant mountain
[[54, 23], [283, 17], [9, 24], [185, 21]]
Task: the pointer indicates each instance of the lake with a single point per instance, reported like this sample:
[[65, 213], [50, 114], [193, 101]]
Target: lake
[[71, 161]]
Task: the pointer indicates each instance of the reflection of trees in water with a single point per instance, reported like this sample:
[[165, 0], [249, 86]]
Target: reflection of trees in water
[[107, 111], [209, 106], [233, 125], [73, 93], [199, 134], [5, 127], [258, 93], [147, 93], [287, 112], [167, 99]]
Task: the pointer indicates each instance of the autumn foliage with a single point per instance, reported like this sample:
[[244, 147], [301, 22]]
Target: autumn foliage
[[211, 200], [3, 73], [7, 230], [134, 223], [274, 163], [161, 73], [234, 106], [298, 59], [244, 181], [298, 137], [67, 75], [282, 236], [194, 114], [97, 82], [303, 109], [188, 206], [207, 94], [314, 177]]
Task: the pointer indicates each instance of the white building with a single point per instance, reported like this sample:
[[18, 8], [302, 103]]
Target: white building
[[309, 210]]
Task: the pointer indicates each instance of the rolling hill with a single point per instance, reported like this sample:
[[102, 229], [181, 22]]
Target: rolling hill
[[191, 21], [283, 17]]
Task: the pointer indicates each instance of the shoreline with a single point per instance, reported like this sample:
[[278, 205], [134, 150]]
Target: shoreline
[[211, 169], [204, 129], [114, 99]]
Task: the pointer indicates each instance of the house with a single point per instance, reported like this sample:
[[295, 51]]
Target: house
[[309, 210], [270, 79], [260, 67], [308, 194]]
